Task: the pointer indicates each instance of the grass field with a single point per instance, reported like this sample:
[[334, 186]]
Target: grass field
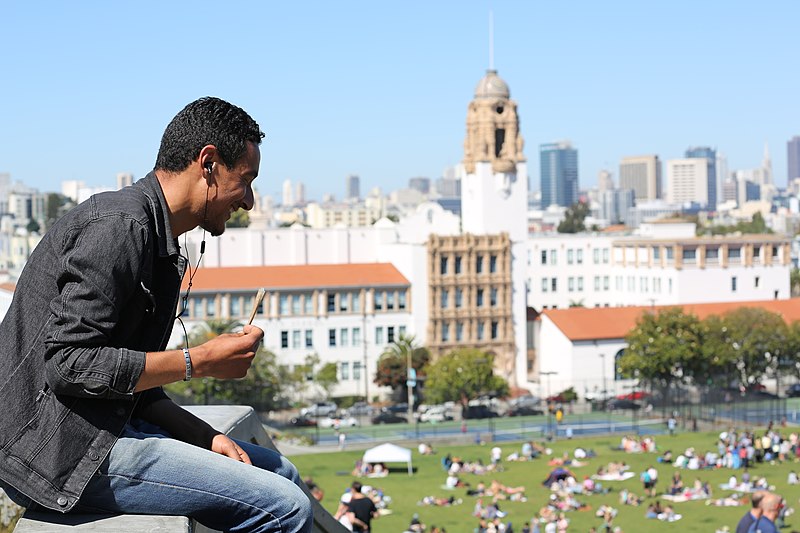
[[331, 471]]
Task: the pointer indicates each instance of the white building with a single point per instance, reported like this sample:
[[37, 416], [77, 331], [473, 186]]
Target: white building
[[642, 175], [600, 270], [583, 346], [287, 194], [346, 314], [687, 181]]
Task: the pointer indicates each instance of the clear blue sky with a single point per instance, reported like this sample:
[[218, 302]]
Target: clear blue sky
[[380, 89]]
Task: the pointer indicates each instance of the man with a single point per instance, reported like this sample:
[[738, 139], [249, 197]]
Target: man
[[362, 508], [753, 514], [87, 426], [771, 505]]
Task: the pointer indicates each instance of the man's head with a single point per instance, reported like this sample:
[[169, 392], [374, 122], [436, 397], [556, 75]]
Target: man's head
[[215, 145], [756, 500], [771, 506]]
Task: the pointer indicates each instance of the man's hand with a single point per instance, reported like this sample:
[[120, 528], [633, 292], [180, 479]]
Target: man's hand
[[228, 356], [224, 445]]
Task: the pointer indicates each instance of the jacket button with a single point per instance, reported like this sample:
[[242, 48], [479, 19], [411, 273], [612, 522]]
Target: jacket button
[[93, 456], [62, 501]]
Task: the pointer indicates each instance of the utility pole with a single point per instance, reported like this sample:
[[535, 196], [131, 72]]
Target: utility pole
[[549, 411], [411, 382], [366, 373]]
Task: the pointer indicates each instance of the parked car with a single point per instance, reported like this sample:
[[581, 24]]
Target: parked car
[[387, 417], [636, 395], [622, 403], [479, 411], [360, 409], [319, 409], [337, 422], [436, 413], [302, 421], [528, 400], [397, 408], [793, 391], [524, 410]]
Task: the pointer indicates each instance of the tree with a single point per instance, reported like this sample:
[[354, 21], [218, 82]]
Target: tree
[[392, 369], [463, 374], [574, 218], [55, 206], [664, 347], [755, 342], [239, 219], [326, 377], [793, 348], [33, 226], [794, 282]]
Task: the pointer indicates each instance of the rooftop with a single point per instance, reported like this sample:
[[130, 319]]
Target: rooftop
[[605, 323]]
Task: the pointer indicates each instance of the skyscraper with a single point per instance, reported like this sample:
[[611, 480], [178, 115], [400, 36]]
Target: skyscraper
[[420, 184], [605, 181], [124, 179], [559, 174], [642, 175], [793, 159], [710, 155], [687, 181], [288, 197], [352, 187]]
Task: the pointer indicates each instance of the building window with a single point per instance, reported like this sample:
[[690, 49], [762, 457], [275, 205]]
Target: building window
[[492, 264], [331, 302], [284, 339], [552, 257], [211, 307], [570, 284], [378, 301], [445, 332], [459, 331], [579, 256], [605, 283], [479, 264], [712, 255], [443, 266], [331, 337], [390, 334], [580, 284], [479, 298], [570, 256], [756, 281], [401, 331], [344, 369], [494, 329], [605, 255], [235, 306], [308, 303], [356, 370], [344, 304], [343, 335], [283, 304], [597, 283], [459, 297], [309, 339], [401, 299], [390, 300], [445, 296], [553, 285], [356, 302], [596, 256], [656, 253], [734, 254], [544, 257], [356, 336], [733, 284], [296, 338], [689, 255], [544, 284], [458, 264], [480, 331], [379, 336], [670, 253]]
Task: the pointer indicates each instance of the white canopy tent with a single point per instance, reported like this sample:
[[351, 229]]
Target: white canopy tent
[[388, 453]]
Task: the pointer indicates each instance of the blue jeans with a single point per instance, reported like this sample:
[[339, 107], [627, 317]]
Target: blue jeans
[[150, 473]]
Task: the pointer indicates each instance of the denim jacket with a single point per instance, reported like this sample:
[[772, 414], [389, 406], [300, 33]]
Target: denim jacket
[[99, 291]]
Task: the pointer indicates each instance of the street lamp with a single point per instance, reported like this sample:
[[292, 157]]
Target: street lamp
[[603, 362], [549, 412], [411, 382]]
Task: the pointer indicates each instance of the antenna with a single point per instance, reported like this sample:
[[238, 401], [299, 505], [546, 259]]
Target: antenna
[[491, 40]]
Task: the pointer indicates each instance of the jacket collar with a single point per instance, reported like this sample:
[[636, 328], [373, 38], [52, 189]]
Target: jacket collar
[[167, 245]]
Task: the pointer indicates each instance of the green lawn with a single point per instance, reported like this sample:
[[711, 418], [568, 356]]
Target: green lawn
[[331, 472]]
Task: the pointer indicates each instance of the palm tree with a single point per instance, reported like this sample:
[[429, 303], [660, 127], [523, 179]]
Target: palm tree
[[393, 362], [212, 328]]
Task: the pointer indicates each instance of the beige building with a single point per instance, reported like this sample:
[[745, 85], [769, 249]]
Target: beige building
[[470, 297], [642, 175]]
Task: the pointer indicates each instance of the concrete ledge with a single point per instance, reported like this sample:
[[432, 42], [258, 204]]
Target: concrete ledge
[[237, 421]]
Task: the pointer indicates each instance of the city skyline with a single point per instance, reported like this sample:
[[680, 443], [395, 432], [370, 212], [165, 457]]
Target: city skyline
[[382, 91]]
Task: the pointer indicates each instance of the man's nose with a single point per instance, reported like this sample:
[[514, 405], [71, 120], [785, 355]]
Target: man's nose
[[249, 200]]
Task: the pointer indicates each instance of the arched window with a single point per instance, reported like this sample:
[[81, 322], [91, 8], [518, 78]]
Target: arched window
[[617, 371]]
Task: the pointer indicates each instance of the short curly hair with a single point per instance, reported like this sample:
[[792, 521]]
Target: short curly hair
[[205, 121]]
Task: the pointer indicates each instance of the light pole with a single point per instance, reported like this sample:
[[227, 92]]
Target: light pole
[[603, 363], [411, 381], [549, 411], [364, 337]]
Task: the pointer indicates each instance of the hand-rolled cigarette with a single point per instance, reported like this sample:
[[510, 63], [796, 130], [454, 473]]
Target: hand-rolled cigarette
[[256, 303]]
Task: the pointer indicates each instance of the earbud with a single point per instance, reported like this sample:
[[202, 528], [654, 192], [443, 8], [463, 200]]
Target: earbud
[[209, 167]]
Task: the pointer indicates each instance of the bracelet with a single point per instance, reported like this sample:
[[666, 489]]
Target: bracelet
[[188, 361]]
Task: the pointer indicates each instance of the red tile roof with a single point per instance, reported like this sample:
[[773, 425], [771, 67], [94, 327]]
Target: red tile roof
[[584, 324], [297, 277]]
